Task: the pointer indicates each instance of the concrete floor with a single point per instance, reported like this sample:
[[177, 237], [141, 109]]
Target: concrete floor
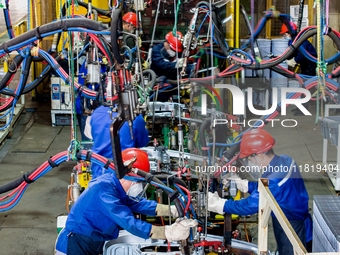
[[30, 227]]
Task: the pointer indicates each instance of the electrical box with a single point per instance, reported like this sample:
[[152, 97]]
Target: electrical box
[[60, 95], [295, 9], [61, 103]]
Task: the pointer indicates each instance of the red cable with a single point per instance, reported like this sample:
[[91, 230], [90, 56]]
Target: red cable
[[189, 198]]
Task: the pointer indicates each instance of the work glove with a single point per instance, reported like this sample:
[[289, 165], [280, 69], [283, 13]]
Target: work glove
[[146, 65], [215, 203], [179, 62], [291, 62], [178, 231], [241, 184], [163, 210]]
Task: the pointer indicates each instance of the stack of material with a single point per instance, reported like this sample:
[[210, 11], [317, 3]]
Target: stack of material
[[326, 224]]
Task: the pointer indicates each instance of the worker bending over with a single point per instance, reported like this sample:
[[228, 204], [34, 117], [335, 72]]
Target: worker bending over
[[98, 129], [106, 206]]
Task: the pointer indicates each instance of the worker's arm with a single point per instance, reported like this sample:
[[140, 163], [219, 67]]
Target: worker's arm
[[309, 48], [252, 186], [143, 206], [159, 60], [116, 211], [140, 132], [245, 206]]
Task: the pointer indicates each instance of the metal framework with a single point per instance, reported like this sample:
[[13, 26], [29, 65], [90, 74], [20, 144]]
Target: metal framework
[[267, 204]]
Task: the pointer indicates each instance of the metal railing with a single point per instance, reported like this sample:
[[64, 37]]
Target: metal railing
[[268, 204]]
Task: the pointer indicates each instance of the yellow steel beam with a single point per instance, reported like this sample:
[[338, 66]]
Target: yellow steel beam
[[237, 23], [310, 12], [230, 31], [269, 4]]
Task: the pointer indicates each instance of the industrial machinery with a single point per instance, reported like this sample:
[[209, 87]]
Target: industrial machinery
[[194, 138]]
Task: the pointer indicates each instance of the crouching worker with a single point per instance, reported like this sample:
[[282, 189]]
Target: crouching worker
[[105, 207]]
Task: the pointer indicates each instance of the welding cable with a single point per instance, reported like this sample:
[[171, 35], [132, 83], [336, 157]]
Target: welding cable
[[165, 89], [49, 29], [88, 93], [8, 21], [248, 56], [218, 34], [18, 92], [151, 84], [12, 69], [136, 178], [201, 10], [18, 186], [188, 197], [29, 87], [186, 200], [100, 45], [171, 195], [290, 51], [204, 126], [106, 47], [127, 52], [116, 27], [173, 179]]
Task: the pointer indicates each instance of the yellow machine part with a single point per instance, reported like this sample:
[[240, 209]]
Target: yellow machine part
[[233, 216], [212, 253], [84, 177], [79, 10]]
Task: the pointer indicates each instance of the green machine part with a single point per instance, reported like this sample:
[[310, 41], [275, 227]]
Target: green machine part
[[165, 132]]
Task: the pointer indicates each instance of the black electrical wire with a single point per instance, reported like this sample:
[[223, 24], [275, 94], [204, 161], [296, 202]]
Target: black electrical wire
[[15, 183], [12, 69], [301, 7], [116, 26], [175, 198], [63, 25]]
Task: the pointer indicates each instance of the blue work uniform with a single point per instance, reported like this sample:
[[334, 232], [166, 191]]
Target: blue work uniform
[[99, 213], [288, 188], [101, 120], [163, 65], [307, 67]]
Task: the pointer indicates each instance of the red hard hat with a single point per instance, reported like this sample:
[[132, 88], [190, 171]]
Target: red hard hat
[[142, 159], [175, 41], [256, 141], [130, 17], [284, 28]]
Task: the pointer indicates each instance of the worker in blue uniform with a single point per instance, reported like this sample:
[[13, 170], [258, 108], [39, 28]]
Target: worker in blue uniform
[[100, 123], [307, 67], [105, 207], [287, 186], [166, 59]]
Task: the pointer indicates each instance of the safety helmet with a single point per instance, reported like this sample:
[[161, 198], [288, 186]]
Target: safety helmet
[[175, 41], [255, 141], [142, 159], [284, 28], [131, 18]]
